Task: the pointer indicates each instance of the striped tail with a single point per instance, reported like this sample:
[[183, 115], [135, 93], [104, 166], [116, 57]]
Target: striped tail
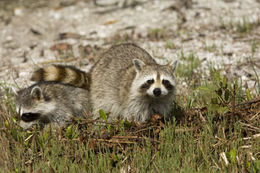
[[62, 74]]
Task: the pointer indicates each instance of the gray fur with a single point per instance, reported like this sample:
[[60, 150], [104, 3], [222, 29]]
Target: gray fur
[[116, 80], [55, 103]]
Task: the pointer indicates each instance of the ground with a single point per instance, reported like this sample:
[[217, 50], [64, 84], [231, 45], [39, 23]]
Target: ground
[[215, 42], [222, 34]]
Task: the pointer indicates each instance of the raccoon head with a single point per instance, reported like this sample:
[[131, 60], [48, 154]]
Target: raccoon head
[[153, 80], [32, 106]]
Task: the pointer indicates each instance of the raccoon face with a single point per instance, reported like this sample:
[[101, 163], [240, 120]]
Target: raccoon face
[[31, 106], [156, 86], [155, 81]]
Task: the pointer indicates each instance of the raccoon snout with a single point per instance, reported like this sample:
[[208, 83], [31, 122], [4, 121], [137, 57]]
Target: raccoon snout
[[157, 92]]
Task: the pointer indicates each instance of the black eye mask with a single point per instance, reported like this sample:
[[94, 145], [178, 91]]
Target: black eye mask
[[167, 84], [28, 117]]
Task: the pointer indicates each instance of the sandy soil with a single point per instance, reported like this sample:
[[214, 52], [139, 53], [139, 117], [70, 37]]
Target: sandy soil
[[224, 34]]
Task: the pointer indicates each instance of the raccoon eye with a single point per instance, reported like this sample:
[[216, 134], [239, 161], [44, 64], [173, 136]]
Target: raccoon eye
[[27, 117], [167, 84], [151, 81]]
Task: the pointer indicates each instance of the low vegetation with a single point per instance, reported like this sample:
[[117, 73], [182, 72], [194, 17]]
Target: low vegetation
[[215, 128], [243, 26]]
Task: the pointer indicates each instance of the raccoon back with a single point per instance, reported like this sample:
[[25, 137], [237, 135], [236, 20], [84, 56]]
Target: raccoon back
[[115, 67]]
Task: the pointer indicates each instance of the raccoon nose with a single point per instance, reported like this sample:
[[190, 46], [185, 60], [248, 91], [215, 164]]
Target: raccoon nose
[[157, 92]]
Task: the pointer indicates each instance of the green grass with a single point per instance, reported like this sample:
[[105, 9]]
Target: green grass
[[242, 27], [254, 47], [170, 45], [191, 143], [188, 69], [156, 34], [210, 47]]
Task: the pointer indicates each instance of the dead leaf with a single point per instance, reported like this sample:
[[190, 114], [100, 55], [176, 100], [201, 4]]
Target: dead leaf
[[109, 22], [61, 46]]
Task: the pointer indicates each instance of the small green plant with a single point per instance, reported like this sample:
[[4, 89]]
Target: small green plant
[[170, 45], [8, 102], [103, 115], [156, 34], [188, 68], [254, 46], [245, 26], [156, 31], [72, 132], [210, 48], [226, 25], [220, 96], [242, 27]]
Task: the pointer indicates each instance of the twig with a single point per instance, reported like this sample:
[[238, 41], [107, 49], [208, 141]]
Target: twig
[[246, 146], [145, 129], [157, 170], [249, 102], [204, 120], [124, 159], [254, 137], [29, 137], [56, 61], [114, 141], [150, 162], [128, 137], [184, 130], [252, 157], [104, 5], [217, 166], [248, 125], [224, 157], [255, 116], [233, 101]]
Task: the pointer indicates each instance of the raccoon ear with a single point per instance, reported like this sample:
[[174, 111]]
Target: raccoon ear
[[36, 92], [173, 65], [138, 64]]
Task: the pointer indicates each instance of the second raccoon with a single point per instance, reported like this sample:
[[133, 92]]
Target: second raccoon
[[50, 102]]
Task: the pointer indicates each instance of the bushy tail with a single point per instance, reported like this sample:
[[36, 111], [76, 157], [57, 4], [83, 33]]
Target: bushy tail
[[62, 74]]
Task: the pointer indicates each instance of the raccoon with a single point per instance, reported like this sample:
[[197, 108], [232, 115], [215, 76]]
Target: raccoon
[[50, 102], [127, 83]]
